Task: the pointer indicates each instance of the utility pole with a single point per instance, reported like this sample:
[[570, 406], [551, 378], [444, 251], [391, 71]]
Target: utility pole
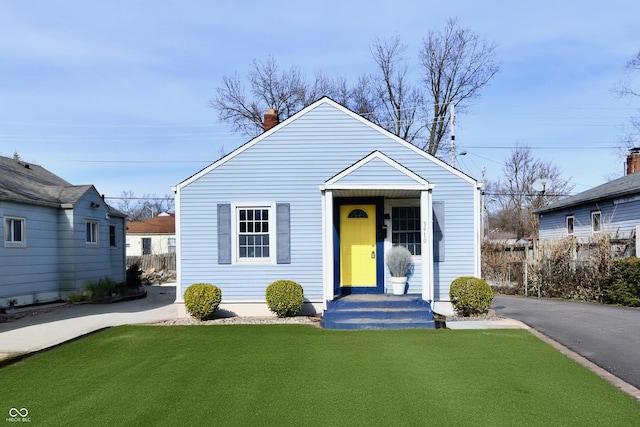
[[453, 138]]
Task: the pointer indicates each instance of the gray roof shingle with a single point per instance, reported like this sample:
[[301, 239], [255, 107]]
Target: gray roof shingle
[[625, 186], [24, 182]]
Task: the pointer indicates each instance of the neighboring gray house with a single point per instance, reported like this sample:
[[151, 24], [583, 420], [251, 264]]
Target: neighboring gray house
[[318, 199], [612, 208], [56, 236]]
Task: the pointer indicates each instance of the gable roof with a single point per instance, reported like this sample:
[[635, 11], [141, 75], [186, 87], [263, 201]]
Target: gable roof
[[24, 182], [625, 186], [162, 224], [326, 101]]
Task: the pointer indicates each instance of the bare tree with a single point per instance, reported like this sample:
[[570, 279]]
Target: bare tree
[[269, 88], [145, 207], [457, 64], [513, 197], [626, 88], [398, 109]]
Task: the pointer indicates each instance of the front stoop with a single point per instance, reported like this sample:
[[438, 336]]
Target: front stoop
[[378, 312]]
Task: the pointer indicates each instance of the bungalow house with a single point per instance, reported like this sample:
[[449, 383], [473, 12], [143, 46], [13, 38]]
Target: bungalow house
[[56, 236], [154, 236], [612, 208], [318, 199]]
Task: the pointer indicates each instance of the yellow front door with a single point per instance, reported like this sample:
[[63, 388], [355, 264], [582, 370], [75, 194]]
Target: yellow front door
[[358, 245]]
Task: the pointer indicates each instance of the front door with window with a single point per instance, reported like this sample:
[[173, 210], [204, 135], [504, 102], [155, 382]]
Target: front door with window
[[358, 251]]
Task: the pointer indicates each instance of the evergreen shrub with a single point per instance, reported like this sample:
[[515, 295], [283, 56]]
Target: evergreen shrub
[[624, 282], [285, 298], [201, 300], [470, 296]]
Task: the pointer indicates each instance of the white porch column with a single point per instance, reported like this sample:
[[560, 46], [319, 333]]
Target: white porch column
[[426, 219], [327, 247]]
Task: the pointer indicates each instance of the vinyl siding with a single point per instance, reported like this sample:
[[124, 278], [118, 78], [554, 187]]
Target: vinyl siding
[[288, 166], [55, 259], [619, 218]]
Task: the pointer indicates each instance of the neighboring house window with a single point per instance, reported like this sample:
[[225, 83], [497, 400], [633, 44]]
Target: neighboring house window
[[128, 243], [146, 246], [253, 233], [570, 225], [91, 232], [14, 235], [596, 225], [171, 242], [112, 236], [405, 228]]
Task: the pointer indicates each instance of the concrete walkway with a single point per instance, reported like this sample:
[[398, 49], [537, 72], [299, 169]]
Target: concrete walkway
[[46, 326]]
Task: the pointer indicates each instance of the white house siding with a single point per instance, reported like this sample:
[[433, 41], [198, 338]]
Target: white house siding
[[159, 243], [30, 274], [288, 166]]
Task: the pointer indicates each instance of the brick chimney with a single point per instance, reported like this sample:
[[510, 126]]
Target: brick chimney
[[633, 161], [270, 119]]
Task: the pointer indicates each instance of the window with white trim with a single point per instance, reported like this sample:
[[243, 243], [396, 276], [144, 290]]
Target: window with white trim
[[596, 224], [91, 232], [405, 228], [254, 233], [14, 232], [570, 221]]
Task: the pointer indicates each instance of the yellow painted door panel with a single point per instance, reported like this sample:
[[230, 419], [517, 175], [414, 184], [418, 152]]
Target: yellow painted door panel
[[358, 245]]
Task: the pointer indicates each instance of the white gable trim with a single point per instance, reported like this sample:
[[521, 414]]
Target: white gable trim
[[334, 183], [304, 111]]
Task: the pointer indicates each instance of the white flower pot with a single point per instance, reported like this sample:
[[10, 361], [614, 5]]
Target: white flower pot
[[398, 285]]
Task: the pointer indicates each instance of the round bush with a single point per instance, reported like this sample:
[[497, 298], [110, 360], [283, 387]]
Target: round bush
[[470, 296], [202, 299], [285, 298]]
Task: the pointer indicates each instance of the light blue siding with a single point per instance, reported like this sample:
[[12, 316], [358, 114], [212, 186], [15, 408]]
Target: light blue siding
[[619, 218], [56, 258], [289, 166]]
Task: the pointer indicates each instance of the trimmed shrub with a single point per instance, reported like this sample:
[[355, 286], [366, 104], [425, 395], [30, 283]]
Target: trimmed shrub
[[201, 300], [624, 282], [285, 298], [470, 296]]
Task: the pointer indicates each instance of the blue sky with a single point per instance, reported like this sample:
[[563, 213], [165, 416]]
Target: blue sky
[[116, 93]]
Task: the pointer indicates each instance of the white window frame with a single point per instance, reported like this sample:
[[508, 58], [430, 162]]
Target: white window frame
[[595, 214], [401, 203], [235, 232], [9, 227], [93, 238], [570, 232]]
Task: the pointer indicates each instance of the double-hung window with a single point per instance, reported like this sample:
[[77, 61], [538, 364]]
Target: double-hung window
[[91, 232], [254, 233], [405, 228], [570, 220], [14, 232], [596, 224]]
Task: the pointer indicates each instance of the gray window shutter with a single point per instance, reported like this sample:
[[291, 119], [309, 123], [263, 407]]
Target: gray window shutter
[[283, 233], [224, 234], [438, 231]]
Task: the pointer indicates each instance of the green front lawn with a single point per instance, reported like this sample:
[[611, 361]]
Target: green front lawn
[[256, 375]]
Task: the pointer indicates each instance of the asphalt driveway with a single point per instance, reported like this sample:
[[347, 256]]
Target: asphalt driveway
[[606, 335]]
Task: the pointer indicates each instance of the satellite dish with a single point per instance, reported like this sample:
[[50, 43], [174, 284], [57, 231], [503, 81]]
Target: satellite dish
[[541, 184]]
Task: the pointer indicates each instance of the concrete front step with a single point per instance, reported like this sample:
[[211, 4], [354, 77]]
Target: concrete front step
[[378, 312]]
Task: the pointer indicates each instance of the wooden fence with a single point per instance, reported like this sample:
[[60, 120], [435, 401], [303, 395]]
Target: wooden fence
[[155, 262]]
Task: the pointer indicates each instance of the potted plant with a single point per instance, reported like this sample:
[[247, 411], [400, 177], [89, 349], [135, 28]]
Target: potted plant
[[399, 261]]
